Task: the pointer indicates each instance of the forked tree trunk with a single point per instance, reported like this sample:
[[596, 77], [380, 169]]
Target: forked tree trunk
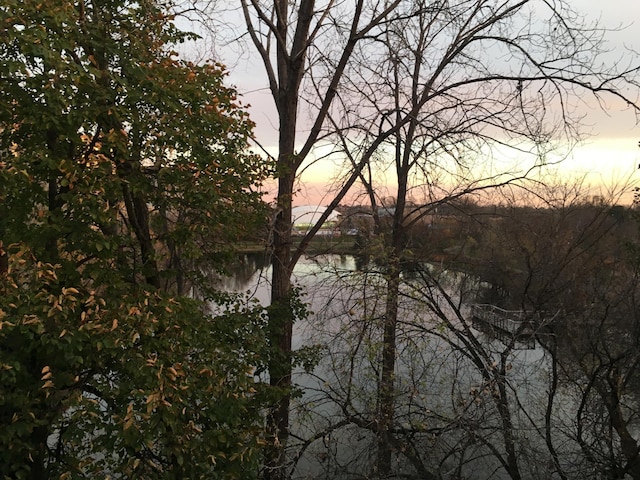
[[290, 31]]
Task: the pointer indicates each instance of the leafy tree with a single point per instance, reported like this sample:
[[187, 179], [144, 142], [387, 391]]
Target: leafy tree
[[124, 183]]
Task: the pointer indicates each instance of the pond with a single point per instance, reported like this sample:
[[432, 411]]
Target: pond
[[466, 403]]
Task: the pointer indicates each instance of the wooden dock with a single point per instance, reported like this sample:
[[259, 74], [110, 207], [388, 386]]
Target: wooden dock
[[504, 324]]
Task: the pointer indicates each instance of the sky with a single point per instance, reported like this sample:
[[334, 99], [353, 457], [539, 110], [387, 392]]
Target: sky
[[610, 153]]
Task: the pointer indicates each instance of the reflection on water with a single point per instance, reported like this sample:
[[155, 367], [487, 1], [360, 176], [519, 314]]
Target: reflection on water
[[446, 410], [245, 272], [252, 272]]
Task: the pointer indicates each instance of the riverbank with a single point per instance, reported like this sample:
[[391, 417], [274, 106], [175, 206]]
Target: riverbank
[[319, 245]]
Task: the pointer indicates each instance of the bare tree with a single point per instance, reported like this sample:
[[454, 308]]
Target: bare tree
[[444, 92], [469, 406], [288, 37], [441, 88], [594, 348]]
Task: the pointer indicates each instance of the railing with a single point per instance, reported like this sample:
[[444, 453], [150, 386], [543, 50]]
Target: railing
[[514, 322]]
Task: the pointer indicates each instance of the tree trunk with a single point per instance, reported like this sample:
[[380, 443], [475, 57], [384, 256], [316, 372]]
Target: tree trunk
[[628, 444], [386, 389], [290, 72], [289, 26], [502, 403], [280, 331]]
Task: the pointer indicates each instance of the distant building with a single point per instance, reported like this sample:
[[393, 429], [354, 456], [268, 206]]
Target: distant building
[[306, 216]]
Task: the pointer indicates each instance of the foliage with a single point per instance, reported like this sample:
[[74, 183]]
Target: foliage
[[124, 184], [123, 380], [102, 118]]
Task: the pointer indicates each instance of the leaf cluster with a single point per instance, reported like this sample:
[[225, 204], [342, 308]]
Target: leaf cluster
[[131, 382]]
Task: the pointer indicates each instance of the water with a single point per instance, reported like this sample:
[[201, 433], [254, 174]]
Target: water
[[463, 398]]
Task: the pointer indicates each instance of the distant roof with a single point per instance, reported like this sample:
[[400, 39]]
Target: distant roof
[[310, 214]]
